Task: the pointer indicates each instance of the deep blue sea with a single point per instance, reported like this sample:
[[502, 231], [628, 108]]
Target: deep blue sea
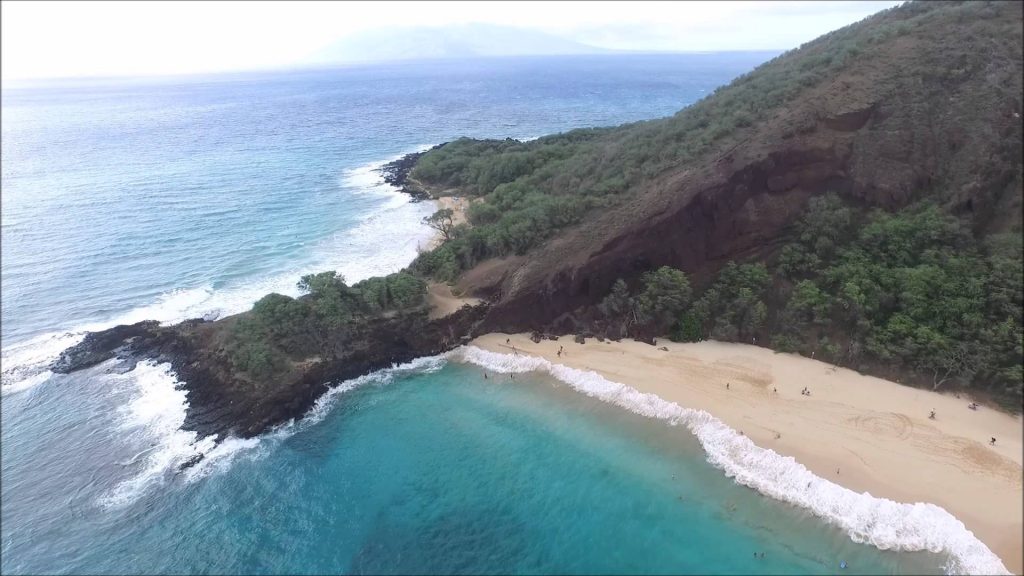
[[171, 198]]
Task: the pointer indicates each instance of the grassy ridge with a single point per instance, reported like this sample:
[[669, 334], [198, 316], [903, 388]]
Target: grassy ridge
[[917, 293], [528, 191]]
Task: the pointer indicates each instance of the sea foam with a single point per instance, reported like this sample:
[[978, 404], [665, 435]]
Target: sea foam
[[155, 414], [385, 240], [880, 522], [323, 405]]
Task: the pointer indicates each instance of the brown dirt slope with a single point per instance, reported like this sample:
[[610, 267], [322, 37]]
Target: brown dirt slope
[[931, 109]]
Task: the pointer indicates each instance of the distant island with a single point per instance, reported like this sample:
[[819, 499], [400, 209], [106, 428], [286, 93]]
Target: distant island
[[447, 42]]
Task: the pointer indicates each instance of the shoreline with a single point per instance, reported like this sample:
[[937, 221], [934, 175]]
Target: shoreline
[[860, 432], [457, 206]]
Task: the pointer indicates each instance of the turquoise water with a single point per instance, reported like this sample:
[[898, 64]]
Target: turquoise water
[[425, 472], [174, 198]]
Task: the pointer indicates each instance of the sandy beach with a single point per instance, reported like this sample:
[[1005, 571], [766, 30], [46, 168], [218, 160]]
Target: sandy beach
[[440, 297], [458, 208], [864, 433]]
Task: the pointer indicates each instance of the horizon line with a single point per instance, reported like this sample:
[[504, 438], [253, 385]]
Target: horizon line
[[5, 82]]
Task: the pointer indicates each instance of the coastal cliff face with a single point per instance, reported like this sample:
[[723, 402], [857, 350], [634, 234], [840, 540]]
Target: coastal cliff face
[[932, 112]]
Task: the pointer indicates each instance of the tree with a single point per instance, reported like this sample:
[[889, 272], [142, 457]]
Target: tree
[[665, 295], [284, 321], [825, 225], [442, 221], [324, 283], [331, 307], [795, 260], [807, 304], [959, 360], [618, 304], [688, 329], [405, 290], [400, 290]]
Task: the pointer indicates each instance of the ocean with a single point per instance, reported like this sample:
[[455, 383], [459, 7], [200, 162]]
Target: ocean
[[172, 198]]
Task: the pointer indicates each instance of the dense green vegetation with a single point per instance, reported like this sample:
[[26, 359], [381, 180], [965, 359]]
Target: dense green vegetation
[[911, 291], [527, 191], [280, 328]]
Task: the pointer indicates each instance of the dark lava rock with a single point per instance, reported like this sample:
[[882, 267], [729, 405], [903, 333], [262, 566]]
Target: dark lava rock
[[191, 462], [396, 173], [102, 346], [223, 402]]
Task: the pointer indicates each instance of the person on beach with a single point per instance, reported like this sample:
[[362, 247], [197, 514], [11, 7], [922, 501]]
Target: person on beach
[[932, 415], [508, 340], [992, 442], [726, 385]]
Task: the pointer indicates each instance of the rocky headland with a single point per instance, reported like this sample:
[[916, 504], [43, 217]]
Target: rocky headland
[[920, 102]]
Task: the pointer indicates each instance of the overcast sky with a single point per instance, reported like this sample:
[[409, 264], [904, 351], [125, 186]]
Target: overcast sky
[[68, 39]]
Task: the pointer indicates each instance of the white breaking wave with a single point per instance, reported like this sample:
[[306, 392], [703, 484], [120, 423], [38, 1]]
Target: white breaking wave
[[369, 177], [385, 241], [323, 405], [880, 522], [160, 412], [156, 413]]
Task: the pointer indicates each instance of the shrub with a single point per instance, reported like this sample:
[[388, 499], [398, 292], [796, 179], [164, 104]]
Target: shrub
[[666, 293]]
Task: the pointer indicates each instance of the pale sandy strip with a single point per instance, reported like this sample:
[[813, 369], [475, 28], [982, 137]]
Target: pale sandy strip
[[459, 217], [864, 433]]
